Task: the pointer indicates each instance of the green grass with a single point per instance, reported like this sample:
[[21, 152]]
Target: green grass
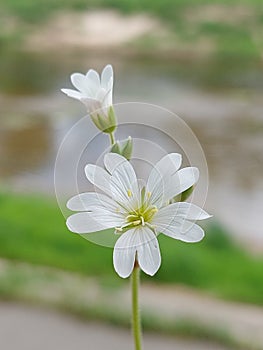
[[169, 10], [231, 40], [32, 229]]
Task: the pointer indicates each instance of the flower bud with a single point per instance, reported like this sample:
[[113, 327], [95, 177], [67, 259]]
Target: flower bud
[[116, 148], [124, 149], [127, 148], [95, 93]]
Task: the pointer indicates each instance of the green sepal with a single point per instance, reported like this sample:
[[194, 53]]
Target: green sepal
[[109, 130], [112, 117], [127, 148], [124, 148], [96, 121], [105, 123], [116, 148], [184, 195]]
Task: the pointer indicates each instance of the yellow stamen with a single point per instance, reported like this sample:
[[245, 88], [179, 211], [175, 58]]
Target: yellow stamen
[[129, 193], [149, 194], [135, 223], [131, 217]]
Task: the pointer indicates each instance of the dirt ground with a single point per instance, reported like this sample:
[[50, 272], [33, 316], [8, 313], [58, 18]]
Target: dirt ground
[[28, 328]]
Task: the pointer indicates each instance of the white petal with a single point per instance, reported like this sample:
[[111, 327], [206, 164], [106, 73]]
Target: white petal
[[112, 161], [148, 252], [186, 210], [107, 100], [168, 223], [110, 84], [168, 165], [124, 254], [188, 232], [79, 81], [180, 182], [108, 97], [72, 93], [100, 95], [143, 241], [92, 105], [123, 182], [107, 77], [160, 176], [93, 77], [99, 177], [166, 217], [90, 200], [91, 222], [192, 232]]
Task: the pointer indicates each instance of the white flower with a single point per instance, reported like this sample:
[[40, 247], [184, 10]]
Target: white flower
[[137, 214], [93, 91]]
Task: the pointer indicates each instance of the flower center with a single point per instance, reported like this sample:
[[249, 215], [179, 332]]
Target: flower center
[[141, 216]]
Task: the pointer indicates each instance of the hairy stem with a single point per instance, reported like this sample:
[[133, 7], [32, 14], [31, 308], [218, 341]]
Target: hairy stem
[[112, 138], [136, 320]]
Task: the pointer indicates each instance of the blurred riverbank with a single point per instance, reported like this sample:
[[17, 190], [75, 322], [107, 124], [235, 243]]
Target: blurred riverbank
[[166, 310], [46, 328], [201, 59], [182, 28], [220, 102]]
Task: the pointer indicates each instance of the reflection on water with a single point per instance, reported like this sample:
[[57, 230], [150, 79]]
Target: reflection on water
[[22, 73], [233, 148], [25, 73], [25, 143], [220, 101]]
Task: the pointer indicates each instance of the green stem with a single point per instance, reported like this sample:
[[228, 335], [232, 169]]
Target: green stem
[[112, 139], [136, 320]]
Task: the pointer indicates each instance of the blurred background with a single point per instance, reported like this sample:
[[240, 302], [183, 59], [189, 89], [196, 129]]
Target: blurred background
[[201, 59]]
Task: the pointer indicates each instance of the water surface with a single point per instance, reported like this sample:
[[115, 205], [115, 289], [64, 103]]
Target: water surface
[[220, 101]]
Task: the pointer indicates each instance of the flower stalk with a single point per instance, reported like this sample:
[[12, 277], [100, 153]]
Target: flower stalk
[[137, 214], [112, 139], [136, 319]]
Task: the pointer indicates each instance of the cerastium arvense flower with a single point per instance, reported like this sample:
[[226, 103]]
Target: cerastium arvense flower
[[95, 93], [137, 213]]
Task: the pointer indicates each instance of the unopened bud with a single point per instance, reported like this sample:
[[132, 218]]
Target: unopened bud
[[124, 148], [127, 148], [116, 148]]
